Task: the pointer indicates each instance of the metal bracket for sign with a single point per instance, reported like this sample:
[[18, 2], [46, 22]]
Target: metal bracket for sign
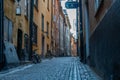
[[71, 4]]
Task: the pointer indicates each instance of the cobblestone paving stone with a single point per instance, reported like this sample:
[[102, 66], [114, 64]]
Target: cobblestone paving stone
[[65, 68]]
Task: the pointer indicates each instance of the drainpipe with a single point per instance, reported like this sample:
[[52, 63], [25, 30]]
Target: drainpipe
[[31, 27], [77, 31], [51, 26], [59, 30], [81, 33], [1, 33]]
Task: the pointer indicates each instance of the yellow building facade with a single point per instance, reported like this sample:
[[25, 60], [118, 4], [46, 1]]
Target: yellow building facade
[[19, 29], [16, 27], [41, 33], [42, 19], [9, 15], [22, 24]]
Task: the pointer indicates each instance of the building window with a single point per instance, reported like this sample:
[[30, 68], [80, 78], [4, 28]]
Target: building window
[[48, 5], [48, 29], [36, 3], [34, 34], [26, 8], [53, 2], [47, 47], [42, 47], [97, 4], [8, 29], [42, 22]]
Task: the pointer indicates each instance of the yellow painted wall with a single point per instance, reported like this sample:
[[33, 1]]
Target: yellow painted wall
[[22, 21], [42, 9], [9, 12], [19, 22]]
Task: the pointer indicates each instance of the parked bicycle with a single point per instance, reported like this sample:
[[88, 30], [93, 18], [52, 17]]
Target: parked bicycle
[[49, 54], [35, 57]]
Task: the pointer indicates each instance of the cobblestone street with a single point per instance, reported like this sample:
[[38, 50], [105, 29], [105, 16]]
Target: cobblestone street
[[66, 68]]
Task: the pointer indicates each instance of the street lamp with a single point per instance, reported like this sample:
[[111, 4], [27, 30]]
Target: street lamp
[[31, 26]]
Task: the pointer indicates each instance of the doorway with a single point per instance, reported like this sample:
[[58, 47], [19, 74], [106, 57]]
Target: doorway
[[26, 47], [19, 44], [43, 39]]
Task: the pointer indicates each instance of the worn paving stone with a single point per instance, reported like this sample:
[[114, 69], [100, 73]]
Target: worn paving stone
[[64, 68]]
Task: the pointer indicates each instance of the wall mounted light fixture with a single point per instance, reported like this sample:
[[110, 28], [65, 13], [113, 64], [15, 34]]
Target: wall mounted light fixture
[[18, 10]]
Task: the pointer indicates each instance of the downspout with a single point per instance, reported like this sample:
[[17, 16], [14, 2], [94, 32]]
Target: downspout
[[81, 33], [77, 31], [1, 33], [51, 25], [31, 26]]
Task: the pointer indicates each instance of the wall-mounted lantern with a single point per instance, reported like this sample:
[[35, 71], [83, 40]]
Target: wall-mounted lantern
[[18, 10]]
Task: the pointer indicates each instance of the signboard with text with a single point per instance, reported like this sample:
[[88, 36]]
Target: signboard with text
[[71, 4]]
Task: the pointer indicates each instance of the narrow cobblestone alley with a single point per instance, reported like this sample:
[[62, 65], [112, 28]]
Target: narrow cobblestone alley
[[65, 68], [59, 40]]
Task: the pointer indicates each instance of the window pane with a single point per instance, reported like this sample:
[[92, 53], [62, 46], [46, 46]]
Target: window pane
[[47, 28], [42, 22], [25, 2], [34, 34], [26, 8], [5, 29], [10, 31]]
